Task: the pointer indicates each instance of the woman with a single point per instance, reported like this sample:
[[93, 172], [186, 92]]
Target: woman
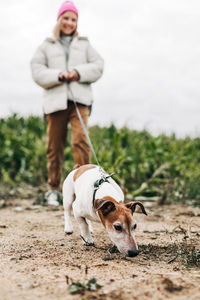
[[65, 66]]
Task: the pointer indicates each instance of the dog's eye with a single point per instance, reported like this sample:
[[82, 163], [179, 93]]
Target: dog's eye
[[134, 226], [118, 227]]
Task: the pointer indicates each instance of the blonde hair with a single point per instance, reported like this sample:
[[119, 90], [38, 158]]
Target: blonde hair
[[57, 31]]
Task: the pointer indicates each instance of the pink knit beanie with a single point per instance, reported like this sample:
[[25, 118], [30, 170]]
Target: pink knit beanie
[[67, 6]]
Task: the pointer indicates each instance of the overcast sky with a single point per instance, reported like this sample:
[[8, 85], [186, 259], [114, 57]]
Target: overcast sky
[[151, 50]]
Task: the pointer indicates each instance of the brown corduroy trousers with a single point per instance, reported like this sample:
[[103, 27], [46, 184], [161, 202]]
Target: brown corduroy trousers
[[57, 124]]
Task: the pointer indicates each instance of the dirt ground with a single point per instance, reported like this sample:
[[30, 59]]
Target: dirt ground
[[38, 261]]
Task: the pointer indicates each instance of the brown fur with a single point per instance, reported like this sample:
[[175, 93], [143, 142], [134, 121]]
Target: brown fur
[[121, 213], [81, 170], [132, 206]]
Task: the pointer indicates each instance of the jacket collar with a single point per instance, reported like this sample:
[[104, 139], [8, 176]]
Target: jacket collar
[[75, 36]]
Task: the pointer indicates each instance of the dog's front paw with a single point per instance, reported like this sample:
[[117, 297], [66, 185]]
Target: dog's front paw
[[89, 225], [68, 229], [89, 244], [68, 232], [88, 241]]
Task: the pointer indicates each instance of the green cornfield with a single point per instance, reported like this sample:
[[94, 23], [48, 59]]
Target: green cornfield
[[162, 167]]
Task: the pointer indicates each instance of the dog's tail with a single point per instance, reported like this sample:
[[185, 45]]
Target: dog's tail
[[68, 190]]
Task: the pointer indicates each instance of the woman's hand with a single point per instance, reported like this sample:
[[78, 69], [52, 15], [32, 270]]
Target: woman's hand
[[62, 76], [73, 76], [70, 76]]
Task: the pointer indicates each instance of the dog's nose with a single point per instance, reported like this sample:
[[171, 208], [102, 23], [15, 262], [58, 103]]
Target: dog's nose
[[133, 253]]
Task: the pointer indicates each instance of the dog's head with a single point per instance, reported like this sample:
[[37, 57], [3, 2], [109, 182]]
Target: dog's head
[[118, 220]]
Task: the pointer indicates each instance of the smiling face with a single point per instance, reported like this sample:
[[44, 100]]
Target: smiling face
[[68, 23]]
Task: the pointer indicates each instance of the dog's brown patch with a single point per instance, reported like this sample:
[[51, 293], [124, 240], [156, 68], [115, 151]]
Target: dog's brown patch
[[121, 212], [81, 170]]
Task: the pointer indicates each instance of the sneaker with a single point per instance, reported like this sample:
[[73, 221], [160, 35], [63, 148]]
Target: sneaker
[[52, 197]]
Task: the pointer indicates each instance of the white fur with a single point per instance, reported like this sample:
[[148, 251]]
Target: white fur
[[83, 209]]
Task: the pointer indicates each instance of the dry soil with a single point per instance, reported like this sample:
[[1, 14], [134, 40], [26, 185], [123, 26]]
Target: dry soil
[[38, 261]]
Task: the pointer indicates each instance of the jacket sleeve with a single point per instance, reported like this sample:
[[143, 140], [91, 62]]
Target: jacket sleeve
[[93, 69], [42, 75]]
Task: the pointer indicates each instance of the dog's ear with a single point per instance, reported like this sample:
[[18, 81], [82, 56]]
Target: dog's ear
[[105, 206], [132, 206]]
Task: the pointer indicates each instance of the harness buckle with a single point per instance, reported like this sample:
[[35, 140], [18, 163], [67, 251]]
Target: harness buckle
[[99, 182]]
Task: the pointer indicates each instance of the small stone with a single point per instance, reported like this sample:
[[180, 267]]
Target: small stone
[[18, 208], [3, 226]]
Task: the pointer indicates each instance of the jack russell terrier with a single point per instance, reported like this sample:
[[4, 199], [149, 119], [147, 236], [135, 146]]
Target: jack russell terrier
[[99, 198]]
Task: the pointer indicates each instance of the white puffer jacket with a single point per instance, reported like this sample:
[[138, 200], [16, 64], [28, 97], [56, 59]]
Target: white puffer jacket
[[50, 59]]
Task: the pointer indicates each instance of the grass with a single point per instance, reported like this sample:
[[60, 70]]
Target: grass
[[160, 167], [185, 253], [77, 287]]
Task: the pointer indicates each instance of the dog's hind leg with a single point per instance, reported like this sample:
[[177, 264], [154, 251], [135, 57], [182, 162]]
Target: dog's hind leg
[[68, 198]]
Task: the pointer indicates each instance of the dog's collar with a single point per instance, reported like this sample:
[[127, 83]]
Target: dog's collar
[[98, 183]]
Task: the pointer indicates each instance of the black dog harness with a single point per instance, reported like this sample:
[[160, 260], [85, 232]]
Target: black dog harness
[[98, 183]]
